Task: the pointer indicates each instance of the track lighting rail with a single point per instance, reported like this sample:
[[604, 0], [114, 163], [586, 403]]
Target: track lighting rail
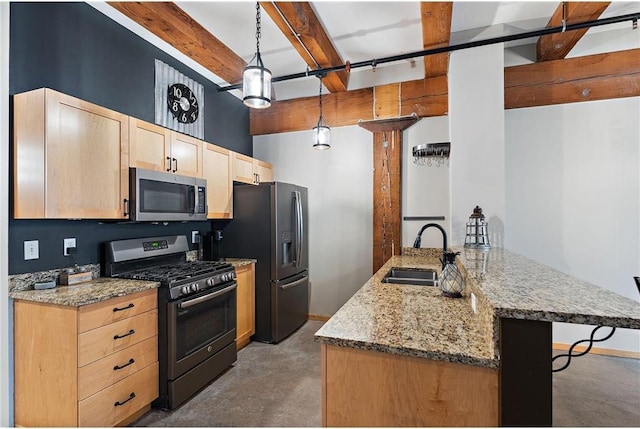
[[451, 48]]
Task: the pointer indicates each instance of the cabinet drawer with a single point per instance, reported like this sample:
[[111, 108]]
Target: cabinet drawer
[[102, 313], [106, 371], [131, 393], [101, 342]]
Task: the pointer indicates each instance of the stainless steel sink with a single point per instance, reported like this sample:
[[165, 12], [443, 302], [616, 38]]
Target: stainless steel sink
[[412, 276]]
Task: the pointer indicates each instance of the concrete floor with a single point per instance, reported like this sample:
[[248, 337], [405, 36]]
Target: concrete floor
[[279, 385]]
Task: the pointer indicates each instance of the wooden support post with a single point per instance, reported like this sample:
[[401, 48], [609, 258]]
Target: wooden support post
[[387, 186]]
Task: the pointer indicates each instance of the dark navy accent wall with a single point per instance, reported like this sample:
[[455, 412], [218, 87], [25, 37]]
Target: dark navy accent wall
[[75, 49]]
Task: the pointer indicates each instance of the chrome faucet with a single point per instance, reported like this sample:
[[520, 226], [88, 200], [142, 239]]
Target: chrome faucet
[[418, 241]]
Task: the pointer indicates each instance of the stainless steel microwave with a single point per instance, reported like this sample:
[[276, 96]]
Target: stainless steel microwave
[[159, 196]]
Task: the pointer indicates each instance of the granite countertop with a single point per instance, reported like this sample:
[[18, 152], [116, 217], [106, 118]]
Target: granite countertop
[[100, 289], [419, 321], [412, 320], [239, 262], [519, 288]]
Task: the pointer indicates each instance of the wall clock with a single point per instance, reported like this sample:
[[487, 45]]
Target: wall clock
[[182, 103], [179, 101]]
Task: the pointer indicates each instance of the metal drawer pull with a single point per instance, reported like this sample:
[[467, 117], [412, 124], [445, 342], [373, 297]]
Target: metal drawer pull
[[117, 404], [169, 159], [131, 361], [117, 337], [131, 305]]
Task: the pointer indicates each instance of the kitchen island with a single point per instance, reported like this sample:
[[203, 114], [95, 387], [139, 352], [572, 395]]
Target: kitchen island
[[400, 355]]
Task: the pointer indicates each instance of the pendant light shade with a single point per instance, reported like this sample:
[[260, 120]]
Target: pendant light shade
[[256, 78], [321, 137], [321, 132]]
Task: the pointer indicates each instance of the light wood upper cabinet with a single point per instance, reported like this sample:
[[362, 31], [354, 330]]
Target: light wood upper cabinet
[[216, 169], [153, 147], [186, 154], [246, 308], [149, 146], [264, 170], [63, 148], [251, 170]]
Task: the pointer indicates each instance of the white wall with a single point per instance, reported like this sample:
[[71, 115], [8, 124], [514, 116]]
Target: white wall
[[340, 207], [573, 196], [6, 400], [476, 120], [425, 189]]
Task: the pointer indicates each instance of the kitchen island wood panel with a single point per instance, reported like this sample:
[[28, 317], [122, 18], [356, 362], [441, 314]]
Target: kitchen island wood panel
[[369, 388]]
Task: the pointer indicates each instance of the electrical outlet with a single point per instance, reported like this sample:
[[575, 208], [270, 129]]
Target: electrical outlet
[[474, 303], [68, 242], [31, 250], [194, 236]]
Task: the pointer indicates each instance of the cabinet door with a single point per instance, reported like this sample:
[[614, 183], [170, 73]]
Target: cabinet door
[[245, 314], [264, 171], [216, 169], [186, 154], [243, 169], [149, 146], [87, 159]]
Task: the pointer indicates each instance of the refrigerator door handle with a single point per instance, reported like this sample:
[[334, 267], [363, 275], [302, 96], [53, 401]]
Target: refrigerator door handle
[[300, 229], [293, 284]]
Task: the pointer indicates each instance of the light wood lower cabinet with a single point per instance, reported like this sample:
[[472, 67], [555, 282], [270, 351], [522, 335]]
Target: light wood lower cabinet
[[95, 365], [371, 388], [246, 308]]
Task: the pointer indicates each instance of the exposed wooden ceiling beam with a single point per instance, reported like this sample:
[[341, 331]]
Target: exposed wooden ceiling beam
[[301, 26], [592, 77], [425, 97], [176, 27], [558, 45], [436, 31]]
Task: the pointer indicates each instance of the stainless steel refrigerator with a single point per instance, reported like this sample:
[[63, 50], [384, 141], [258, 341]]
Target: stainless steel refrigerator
[[270, 224]]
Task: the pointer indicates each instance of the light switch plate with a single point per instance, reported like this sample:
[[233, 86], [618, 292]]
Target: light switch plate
[[194, 237], [31, 250]]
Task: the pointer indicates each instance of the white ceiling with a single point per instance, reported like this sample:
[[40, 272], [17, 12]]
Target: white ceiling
[[364, 30]]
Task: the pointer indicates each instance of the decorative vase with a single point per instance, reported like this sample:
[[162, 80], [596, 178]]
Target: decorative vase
[[450, 280]]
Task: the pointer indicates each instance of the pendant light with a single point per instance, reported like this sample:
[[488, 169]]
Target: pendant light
[[256, 78], [321, 132]]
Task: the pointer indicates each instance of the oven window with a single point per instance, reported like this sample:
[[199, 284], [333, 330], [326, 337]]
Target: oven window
[[200, 324], [164, 197]]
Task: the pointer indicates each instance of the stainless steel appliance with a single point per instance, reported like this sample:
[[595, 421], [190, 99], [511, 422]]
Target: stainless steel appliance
[[196, 311], [159, 196], [270, 224]]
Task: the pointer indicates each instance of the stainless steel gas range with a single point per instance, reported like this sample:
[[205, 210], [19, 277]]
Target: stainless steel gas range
[[196, 311]]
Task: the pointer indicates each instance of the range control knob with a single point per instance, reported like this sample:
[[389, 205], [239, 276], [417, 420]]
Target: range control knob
[[194, 287], [211, 282], [185, 289]]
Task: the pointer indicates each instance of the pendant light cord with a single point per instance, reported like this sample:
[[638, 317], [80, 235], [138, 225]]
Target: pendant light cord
[[258, 28], [320, 102]]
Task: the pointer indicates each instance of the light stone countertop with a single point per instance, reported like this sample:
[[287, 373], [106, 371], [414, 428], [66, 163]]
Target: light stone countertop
[[419, 321], [411, 320], [100, 289], [240, 262]]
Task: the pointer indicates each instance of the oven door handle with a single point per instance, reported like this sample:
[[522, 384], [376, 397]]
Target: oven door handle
[[196, 301]]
